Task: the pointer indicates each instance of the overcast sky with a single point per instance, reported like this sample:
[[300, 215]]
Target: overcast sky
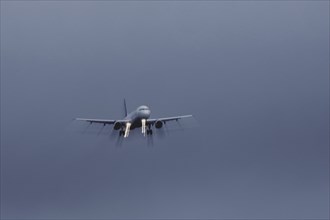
[[255, 75]]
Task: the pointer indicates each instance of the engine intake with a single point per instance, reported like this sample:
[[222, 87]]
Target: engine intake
[[159, 124], [117, 126]]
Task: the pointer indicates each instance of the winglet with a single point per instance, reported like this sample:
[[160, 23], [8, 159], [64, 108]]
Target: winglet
[[125, 108]]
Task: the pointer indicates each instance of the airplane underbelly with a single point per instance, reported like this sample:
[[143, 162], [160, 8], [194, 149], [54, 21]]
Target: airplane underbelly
[[136, 124], [137, 121]]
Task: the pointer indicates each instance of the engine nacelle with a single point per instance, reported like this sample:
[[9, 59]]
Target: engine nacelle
[[159, 124], [117, 125]]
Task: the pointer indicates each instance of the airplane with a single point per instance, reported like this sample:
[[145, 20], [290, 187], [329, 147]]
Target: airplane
[[140, 117]]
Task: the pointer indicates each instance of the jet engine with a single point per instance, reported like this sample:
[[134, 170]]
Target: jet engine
[[117, 126], [159, 124]]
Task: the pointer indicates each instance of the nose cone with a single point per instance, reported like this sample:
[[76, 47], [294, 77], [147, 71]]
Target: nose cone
[[145, 113]]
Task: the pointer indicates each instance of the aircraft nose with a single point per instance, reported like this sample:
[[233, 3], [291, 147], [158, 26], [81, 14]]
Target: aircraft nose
[[146, 113]]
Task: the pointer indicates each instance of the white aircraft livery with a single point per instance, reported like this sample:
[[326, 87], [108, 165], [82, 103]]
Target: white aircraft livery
[[136, 119]]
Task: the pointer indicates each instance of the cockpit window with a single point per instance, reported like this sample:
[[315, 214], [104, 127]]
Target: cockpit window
[[143, 108]]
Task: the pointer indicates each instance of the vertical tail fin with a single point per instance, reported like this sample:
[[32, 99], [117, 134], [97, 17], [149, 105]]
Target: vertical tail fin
[[125, 108]]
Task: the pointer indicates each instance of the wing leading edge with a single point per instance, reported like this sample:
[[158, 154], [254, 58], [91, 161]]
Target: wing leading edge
[[101, 121], [149, 121], [175, 118]]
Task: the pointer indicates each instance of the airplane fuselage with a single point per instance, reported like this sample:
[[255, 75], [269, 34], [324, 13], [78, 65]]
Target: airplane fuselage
[[135, 117]]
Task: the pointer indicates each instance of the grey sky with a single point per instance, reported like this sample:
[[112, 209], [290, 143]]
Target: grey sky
[[254, 75]]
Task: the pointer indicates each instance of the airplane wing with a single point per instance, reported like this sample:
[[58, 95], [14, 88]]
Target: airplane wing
[[101, 121], [175, 118]]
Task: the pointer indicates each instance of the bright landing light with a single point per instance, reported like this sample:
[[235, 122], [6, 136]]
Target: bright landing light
[[143, 127], [128, 125]]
